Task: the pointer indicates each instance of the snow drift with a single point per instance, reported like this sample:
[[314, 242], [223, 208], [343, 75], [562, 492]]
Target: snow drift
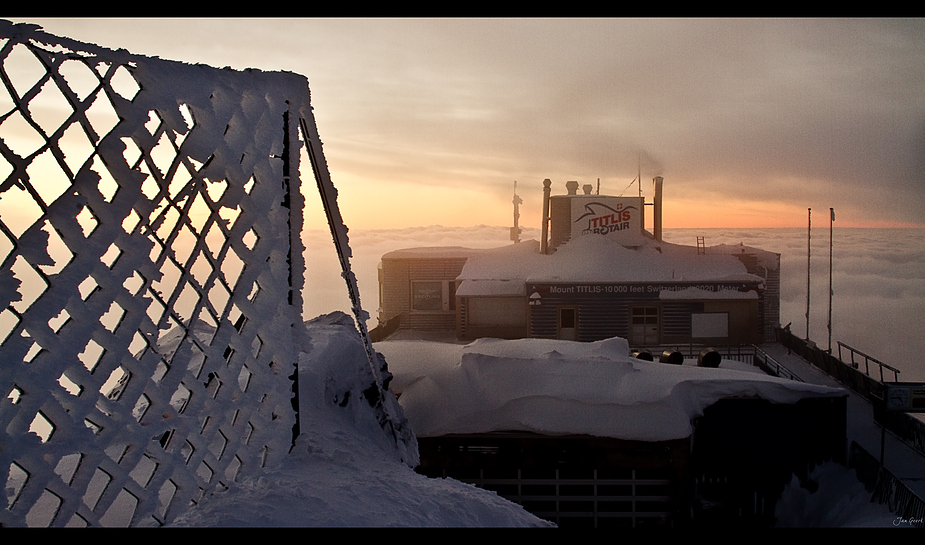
[[564, 387], [352, 463]]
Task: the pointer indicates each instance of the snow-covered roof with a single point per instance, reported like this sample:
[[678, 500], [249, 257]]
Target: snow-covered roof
[[470, 288], [766, 259], [695, 293], [564, 387], [432, 252], [598, 259]]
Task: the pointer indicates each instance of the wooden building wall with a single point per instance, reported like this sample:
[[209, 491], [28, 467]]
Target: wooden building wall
[[511, 319], [397, 278], [601, 316], [769, 304]]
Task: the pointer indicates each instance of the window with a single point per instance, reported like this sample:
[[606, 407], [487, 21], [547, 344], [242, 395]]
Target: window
[[427, 296], [644, 326], [433, 296]]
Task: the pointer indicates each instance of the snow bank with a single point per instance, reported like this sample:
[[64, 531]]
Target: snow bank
[[351, 464], [564, 387], [336, 390], [839, 501], [333, 478]]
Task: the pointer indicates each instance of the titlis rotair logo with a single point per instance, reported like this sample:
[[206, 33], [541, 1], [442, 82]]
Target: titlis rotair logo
[[603, 219]]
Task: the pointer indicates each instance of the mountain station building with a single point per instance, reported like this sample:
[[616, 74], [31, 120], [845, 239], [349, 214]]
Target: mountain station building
[[596, 274]]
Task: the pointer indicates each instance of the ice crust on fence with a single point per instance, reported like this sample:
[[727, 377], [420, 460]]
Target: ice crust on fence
[[151, 277]]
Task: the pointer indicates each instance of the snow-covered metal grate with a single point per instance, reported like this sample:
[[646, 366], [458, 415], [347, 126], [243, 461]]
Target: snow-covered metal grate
[[150, 278]]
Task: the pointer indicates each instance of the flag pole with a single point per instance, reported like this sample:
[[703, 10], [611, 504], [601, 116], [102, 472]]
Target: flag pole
[[831, 293], [809, 234]]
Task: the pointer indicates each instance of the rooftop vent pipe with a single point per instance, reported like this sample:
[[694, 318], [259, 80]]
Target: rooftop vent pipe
[[657, 201], [572, 187]]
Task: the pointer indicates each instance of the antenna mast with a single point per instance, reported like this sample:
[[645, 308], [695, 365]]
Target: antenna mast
[[639, 172], [515, 231]]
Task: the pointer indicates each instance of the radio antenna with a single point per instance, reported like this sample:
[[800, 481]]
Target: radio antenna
[[639, 172]]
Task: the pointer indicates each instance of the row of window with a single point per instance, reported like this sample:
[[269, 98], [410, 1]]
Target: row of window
[[440, 296]]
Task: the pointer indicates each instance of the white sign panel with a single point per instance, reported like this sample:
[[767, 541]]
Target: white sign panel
[[710, 324], [619, 218]]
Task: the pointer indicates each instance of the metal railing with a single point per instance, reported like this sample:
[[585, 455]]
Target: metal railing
[[558, 498], [384, 329], [867, 361], [886, 489], [746, 353], [772, 366]]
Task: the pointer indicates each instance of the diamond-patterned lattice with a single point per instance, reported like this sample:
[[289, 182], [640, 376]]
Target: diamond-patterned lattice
[[143, 206]]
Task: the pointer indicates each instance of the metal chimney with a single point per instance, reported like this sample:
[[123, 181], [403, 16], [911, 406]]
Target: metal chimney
[[657, 216], [572, 187]]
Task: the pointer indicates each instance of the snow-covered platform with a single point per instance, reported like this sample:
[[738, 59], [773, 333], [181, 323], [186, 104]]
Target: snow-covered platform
[[565, 387], [351, 465], [899, 458], [543, 414]]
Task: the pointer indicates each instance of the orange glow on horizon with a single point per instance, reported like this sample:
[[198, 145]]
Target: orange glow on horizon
[[397, 205], [744, 214], [392, 205]]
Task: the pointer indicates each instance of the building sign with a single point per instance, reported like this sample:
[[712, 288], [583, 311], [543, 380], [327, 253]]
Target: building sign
[[619, 218], [624, 291], [633, 290]]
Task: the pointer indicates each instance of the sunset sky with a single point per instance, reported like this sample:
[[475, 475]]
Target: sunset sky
[[430, 121]]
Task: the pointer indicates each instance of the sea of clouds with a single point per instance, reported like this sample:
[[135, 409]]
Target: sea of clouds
[[878, 281]]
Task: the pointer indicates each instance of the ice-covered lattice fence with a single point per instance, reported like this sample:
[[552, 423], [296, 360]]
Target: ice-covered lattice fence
[[150, 278]]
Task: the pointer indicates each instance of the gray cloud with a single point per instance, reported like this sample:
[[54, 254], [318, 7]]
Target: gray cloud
[[807, 112]]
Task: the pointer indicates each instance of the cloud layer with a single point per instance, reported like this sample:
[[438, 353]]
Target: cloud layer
[[878, 279]]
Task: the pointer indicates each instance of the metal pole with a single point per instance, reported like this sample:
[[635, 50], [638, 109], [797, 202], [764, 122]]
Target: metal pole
[[287, 203], [339, 233], [882, 442], [809, 234], [515, 232], [831, 223]]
